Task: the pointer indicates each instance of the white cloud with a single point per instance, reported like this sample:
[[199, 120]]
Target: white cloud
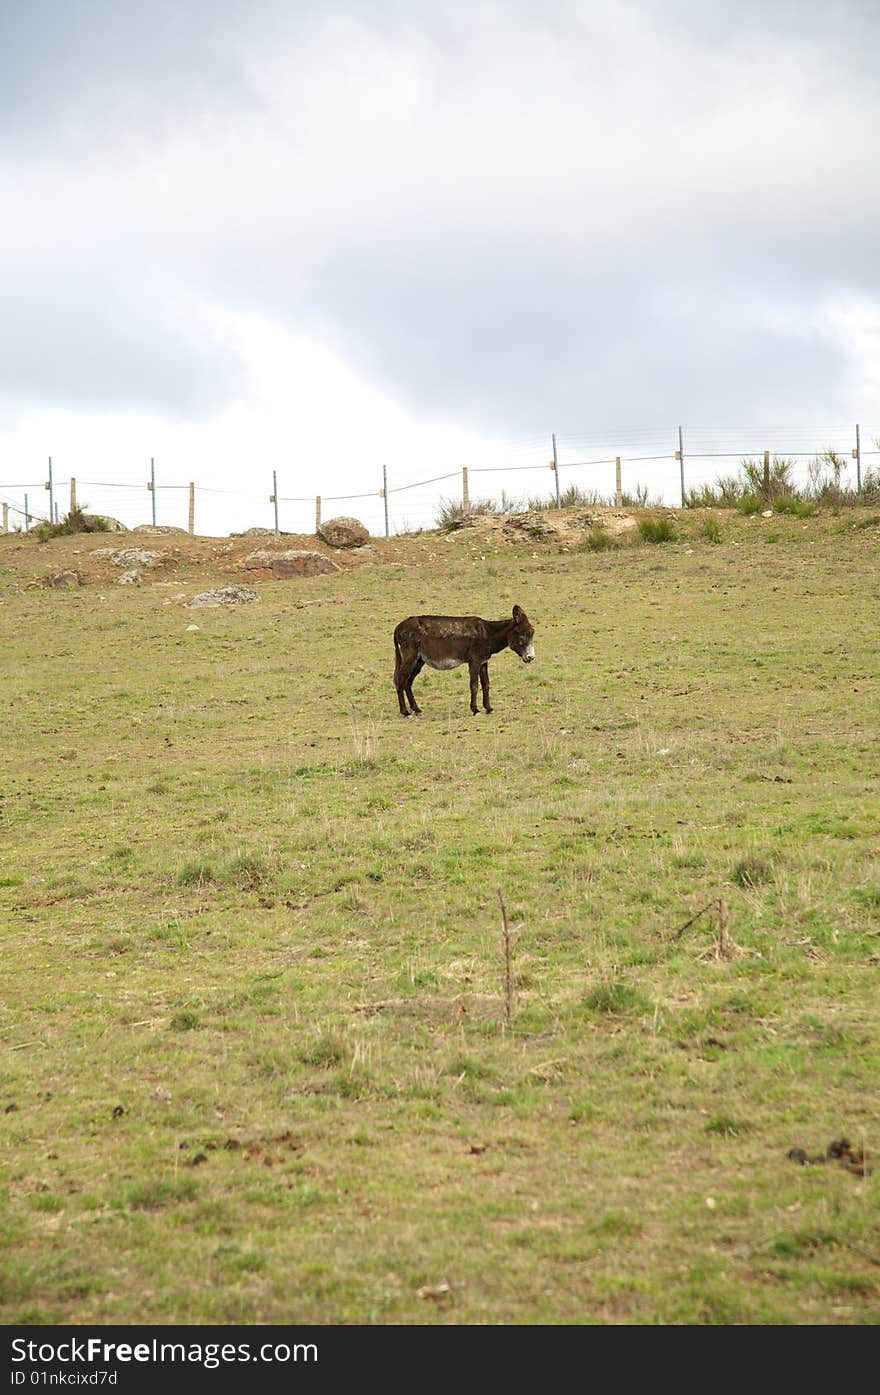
[[504, 219]]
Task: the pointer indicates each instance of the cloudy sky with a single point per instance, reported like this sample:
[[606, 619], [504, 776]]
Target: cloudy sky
[[322, 235]]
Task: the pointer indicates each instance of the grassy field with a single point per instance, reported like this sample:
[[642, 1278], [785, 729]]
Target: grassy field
[[255, 1060]]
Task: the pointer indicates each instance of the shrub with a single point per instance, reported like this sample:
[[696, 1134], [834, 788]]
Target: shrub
[[712, 530], [195, 874], [798, 508], [453, 514], [573, 497], [779, 477], [614, 997], [73, 522], [749, 503], [249, 872], [657, 530], [751, 871], [598, 539]]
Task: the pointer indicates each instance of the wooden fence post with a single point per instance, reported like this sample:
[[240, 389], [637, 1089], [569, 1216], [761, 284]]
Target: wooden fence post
[[766, 475], [618, 490], [192, 507], [679, 455], [6, 518], [317, 512], [72, 495], [465, 492]]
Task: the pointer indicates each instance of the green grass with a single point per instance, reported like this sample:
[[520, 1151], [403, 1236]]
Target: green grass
[[254, 1063]]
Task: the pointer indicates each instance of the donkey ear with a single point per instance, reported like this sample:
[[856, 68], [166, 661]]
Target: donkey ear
[[517, 613]]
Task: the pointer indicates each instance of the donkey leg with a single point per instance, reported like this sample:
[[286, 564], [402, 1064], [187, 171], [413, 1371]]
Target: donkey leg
[[475, 678], [484, 683], [401, 669], [416, 670]]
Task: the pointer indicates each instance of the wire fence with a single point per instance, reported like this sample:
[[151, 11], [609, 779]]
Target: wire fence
[[661, 467]]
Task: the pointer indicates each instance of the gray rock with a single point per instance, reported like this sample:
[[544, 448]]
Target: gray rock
[[367, 549], [343, 532], [157, 529], [134, 557], [224, 595], [292, 563], [63, 581], [255, 533], [101, 523], [132, 578], [534, 525]]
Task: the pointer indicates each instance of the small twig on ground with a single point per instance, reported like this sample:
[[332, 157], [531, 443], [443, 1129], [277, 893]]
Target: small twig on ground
[[872, 1259], [688, 923], [508, 967]]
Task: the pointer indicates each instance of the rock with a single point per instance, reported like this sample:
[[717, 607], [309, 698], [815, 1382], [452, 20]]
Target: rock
[[132, 578], [224, 595], [63, 581], [366, 549], [158, 528], [293, 563], [134, 557], [191, 628], [100, 523], [255, 533], [767, 513], [343, 532], [532, 524]]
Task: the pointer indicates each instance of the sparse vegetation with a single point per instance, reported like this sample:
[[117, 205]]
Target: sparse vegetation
[[657, 530], [261, 995], [73, 522], [824, 487]]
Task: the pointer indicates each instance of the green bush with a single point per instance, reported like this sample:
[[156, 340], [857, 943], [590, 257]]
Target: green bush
[[73, 522], [657, 530], [749, 503]]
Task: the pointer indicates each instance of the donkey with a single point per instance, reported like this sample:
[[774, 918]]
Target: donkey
[[446, 641]]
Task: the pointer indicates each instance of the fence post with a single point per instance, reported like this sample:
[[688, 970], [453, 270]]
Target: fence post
[[556, 469], [680, 454], [465, 490], [192, 507], [6, 518], [72, 495], [151, 486], [317, 512], [51, 489], [766, 475], [618, 490], [385, 495], [27, 516], [857, 453], [273, 499]]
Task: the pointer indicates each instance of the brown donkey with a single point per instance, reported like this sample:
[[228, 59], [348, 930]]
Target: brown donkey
[[446, 641]]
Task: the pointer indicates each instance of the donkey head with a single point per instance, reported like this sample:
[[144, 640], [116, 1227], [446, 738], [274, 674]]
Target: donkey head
[[522, 635]]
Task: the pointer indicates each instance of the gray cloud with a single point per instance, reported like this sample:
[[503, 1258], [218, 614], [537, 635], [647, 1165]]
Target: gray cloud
[[609, 211]]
